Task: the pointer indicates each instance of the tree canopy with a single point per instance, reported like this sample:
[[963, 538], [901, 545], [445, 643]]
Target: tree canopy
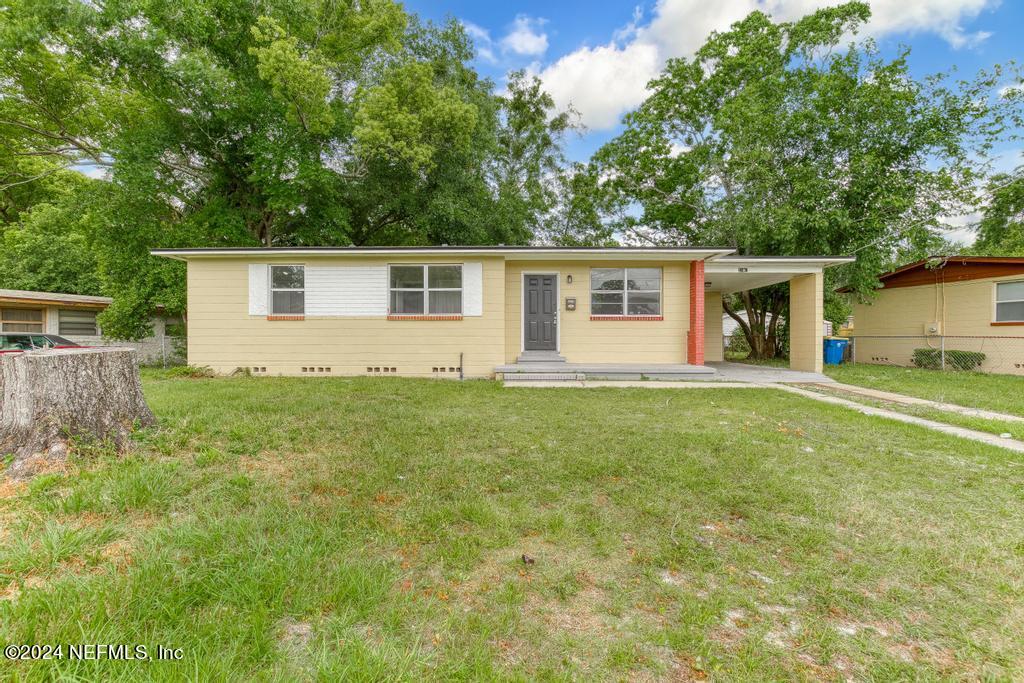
[[778, 138], [1001, 229], [270, 122]]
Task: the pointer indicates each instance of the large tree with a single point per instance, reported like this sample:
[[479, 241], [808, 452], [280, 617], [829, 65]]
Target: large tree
[[1001, 229], [273, 122], [778, 138]]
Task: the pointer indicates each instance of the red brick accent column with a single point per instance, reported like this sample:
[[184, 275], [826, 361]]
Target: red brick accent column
[[695, 338]]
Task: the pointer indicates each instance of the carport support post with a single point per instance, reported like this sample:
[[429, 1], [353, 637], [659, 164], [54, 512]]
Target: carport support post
[[695, 338], [806, 319]]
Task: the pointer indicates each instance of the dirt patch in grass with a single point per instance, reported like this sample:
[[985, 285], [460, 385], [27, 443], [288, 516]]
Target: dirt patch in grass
[[278, 467], [294, 635], [567, 604], [14, 589], [119, 552], [11, 489]]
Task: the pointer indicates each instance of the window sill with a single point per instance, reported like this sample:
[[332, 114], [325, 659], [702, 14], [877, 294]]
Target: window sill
[[627, 317], [1007, 323], [424, 317], [286, 317]]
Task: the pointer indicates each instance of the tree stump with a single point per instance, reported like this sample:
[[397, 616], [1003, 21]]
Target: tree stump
[[49, 397]]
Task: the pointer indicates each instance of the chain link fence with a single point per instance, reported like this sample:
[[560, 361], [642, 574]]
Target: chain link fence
[[1002, 354]]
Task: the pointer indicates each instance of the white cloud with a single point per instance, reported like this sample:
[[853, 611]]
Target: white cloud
[[960, 228], [525, 37], [481, 40], [604, 82]]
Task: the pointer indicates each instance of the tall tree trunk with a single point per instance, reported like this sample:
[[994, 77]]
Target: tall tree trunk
[[48, 398], [761, 325]]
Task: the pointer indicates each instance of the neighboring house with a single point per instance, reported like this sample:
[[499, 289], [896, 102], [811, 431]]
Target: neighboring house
[[479, 311], [956, 303], [74, 316]]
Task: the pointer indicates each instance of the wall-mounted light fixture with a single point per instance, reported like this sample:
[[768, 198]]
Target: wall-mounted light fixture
[[568, 279]]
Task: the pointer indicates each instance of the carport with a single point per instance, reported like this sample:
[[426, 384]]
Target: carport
[[729, 274]]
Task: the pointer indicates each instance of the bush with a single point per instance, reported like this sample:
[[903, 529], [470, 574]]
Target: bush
[[738, 344], [191, 371], [931, 359]]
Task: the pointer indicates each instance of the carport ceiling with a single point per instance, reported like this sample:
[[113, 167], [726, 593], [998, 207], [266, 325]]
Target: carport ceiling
[[726, 283], [730, 274]]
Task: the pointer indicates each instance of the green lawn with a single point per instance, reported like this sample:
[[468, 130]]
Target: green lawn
[[374, 528], [1001, 393]]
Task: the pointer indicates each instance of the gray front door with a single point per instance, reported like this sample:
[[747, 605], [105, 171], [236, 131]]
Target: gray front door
[[539, 316]]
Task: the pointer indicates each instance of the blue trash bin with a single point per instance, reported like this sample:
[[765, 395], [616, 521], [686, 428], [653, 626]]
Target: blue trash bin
[[835, 349]]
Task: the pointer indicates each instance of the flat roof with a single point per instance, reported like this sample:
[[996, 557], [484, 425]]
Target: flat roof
[[26, 296], [687, 253]]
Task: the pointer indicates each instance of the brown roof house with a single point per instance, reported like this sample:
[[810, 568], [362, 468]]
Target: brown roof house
[[73, 316], [960, 312]]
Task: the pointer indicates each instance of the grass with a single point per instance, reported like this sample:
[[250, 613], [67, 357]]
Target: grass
[[374, 528], [1000, 393], [997, 427]]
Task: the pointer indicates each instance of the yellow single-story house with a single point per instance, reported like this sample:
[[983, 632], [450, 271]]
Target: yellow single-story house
[[481, 311], [954, 310]]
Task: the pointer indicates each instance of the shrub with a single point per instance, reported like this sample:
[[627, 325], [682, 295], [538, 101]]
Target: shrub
[[955, 360], [738, 344], [191, 371]]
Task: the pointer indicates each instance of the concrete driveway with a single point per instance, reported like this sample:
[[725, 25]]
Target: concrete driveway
[[763, 374]]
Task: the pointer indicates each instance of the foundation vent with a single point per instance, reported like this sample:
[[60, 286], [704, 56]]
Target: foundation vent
[[314, 369], [380, 370], [446, 370]]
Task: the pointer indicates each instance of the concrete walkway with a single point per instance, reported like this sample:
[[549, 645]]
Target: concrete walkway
[[974, 435], [764, 374], [923, 402]]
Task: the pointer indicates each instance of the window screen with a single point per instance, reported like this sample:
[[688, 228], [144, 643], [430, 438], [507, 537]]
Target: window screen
[[78, 323], [21, 320]]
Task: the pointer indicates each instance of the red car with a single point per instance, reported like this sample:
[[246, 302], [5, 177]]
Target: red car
[[15, 342]]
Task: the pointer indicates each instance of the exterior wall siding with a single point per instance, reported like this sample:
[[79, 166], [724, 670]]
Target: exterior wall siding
[[225, 337], [965, 311], [806, 310], [713, 342], [583, 340]]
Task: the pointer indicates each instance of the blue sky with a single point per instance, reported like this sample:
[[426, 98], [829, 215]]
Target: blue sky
[[599, 55]]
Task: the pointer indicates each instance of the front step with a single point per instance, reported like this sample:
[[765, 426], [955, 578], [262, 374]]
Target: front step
[[544, 377], [550, 370], [540, 357]]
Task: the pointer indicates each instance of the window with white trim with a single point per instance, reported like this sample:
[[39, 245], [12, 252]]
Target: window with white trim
[[425, 289], [21, 320], [287, 290], [1010, 302], [625, 291]]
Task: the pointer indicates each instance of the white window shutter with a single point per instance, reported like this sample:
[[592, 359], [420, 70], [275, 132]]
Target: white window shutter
[[473, 288], [259, 286]]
